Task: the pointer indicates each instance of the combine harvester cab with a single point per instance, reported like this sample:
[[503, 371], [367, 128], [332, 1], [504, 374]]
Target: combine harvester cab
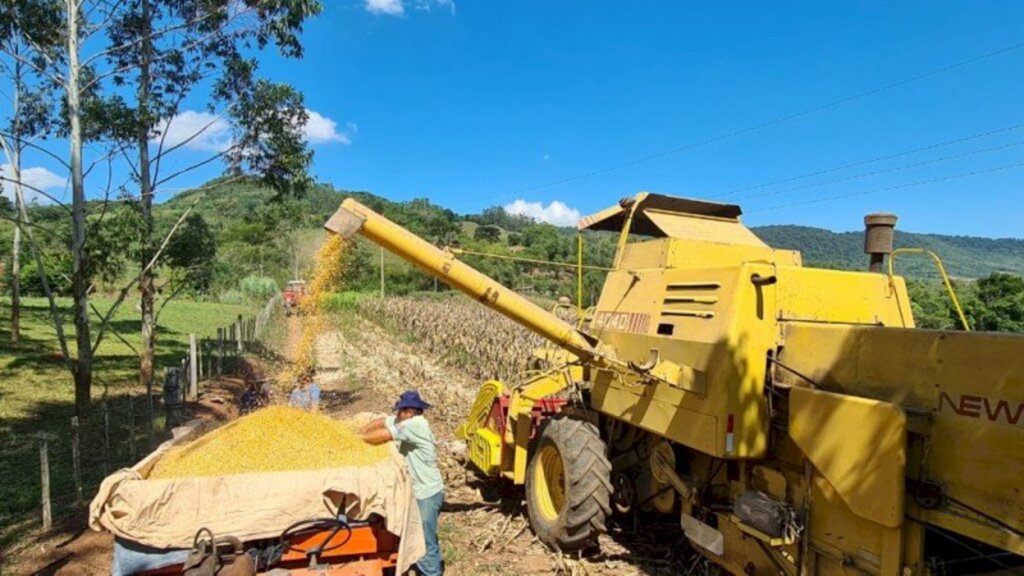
[[792, 418]]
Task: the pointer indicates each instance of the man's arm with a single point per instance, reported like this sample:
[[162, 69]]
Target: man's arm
[[375, 424], [377, 436]]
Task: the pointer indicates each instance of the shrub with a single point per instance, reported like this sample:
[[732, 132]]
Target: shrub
[[340, 301], [231, 297], [258, 288]]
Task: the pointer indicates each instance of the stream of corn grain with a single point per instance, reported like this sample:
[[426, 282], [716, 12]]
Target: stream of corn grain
[[274, 439], [330, 266]]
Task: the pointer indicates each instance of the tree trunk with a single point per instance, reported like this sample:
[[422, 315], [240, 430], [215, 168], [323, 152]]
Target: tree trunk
[[147, 282], [16, 284], [80, 273], [15, 158]]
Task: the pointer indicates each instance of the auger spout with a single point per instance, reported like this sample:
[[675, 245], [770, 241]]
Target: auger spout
[[352, 217]]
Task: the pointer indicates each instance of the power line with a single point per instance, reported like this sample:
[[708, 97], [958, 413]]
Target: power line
[[896, 187], [774, 121], [869, 161], [884, 171]]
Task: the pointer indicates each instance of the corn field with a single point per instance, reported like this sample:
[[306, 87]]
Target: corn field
[[463, 333]]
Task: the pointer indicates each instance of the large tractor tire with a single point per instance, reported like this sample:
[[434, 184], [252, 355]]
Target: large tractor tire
[[568, 485]]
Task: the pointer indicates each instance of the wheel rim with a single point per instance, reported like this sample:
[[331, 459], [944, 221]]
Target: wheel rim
[[549, 478]]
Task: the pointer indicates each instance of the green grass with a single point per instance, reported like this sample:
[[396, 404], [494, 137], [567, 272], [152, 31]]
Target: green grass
[[37, 395]]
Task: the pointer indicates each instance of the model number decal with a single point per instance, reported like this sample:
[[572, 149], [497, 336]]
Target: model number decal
[[634, 322]]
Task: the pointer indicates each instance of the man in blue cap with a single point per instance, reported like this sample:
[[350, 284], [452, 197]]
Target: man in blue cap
[[415, 441]]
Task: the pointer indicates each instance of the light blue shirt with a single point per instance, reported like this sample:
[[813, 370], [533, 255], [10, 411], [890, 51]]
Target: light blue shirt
[[416, 443], [306, 399]]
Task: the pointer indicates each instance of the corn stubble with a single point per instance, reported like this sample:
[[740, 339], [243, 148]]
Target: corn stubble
[[274, 439], [481, 342]]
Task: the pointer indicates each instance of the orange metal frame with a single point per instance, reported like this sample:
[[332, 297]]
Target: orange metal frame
[[366, 551]]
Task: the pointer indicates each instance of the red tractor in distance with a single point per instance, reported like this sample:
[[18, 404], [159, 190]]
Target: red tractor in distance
[[293, 295]]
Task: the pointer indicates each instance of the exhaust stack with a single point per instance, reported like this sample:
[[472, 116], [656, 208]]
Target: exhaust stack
[[879, 231], [353, 217]]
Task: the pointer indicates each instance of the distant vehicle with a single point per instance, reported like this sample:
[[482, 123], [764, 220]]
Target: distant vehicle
[[293, 295]]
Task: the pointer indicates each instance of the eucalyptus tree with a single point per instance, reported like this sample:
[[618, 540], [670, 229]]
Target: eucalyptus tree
[[125, 70], [162, 54], [29, 29]]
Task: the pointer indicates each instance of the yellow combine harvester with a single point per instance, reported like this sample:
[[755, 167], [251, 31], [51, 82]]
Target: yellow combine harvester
[[793, 418]]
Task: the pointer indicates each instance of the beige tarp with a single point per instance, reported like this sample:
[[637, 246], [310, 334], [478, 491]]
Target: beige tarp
[[167, 513]]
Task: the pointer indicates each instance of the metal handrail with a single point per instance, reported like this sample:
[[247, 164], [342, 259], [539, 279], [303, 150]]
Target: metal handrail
[[942, 273]]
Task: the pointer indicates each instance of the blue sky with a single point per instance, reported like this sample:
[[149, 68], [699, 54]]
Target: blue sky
[[477, 103]]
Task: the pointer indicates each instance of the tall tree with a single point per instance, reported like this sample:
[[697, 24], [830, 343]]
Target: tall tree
[[125, 68], [165, 51], [27, 118]]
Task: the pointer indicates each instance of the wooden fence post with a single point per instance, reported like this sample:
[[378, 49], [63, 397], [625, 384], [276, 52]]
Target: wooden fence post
[[193, 368], [238, 333], [150, 433], [106, 437], [76, 460], [220, 351], [172, 398], [131, 429], [44, 482]]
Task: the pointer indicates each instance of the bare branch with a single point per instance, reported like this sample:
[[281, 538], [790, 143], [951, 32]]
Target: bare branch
[[152, 263], [156, 34], [29, 143], [175, 294], [114, 332], [22, 224], [37, 191], [195, 166], [122, 69]]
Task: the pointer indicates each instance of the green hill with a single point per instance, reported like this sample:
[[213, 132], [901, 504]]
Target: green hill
[[234, 209], [963, 256]]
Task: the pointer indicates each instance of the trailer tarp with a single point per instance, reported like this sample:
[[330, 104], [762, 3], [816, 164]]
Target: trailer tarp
[[167, 513]]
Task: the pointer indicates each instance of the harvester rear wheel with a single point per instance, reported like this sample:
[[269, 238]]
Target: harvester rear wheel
[[568, 485]]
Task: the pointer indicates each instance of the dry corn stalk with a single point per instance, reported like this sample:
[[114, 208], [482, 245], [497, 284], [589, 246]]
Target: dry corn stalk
[[274, 439], [468, 336]]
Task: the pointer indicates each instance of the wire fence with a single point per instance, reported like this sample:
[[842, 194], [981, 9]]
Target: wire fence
[[56, 472]]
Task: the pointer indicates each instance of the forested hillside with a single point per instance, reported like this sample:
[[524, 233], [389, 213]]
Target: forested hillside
[[242, 242], [963, 256]]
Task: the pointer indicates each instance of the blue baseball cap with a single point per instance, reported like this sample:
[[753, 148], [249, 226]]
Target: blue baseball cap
[[411, 399]]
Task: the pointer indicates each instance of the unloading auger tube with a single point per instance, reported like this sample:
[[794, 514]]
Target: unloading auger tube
[[353, 217]]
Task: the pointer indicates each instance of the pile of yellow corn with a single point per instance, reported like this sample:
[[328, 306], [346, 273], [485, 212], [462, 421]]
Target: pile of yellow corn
[[273, 439]]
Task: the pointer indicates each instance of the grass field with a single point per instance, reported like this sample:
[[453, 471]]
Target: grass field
[[37, 395]]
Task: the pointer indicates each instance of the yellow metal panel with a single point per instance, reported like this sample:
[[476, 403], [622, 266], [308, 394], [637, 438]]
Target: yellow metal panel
[[641, 407], [649, 254], [843, 542], [815, 295], [704, 229], [971, 385], [858, 445], [485, 451]]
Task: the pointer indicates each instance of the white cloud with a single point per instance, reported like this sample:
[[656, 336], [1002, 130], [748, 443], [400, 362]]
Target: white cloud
[[33, 178], [196, 131], [397, 7], [206, 132], [320, 129], [389, 7], [557, 213], [427, 5]]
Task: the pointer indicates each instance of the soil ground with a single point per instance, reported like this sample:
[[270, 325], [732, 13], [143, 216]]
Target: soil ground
[[483, 528]]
